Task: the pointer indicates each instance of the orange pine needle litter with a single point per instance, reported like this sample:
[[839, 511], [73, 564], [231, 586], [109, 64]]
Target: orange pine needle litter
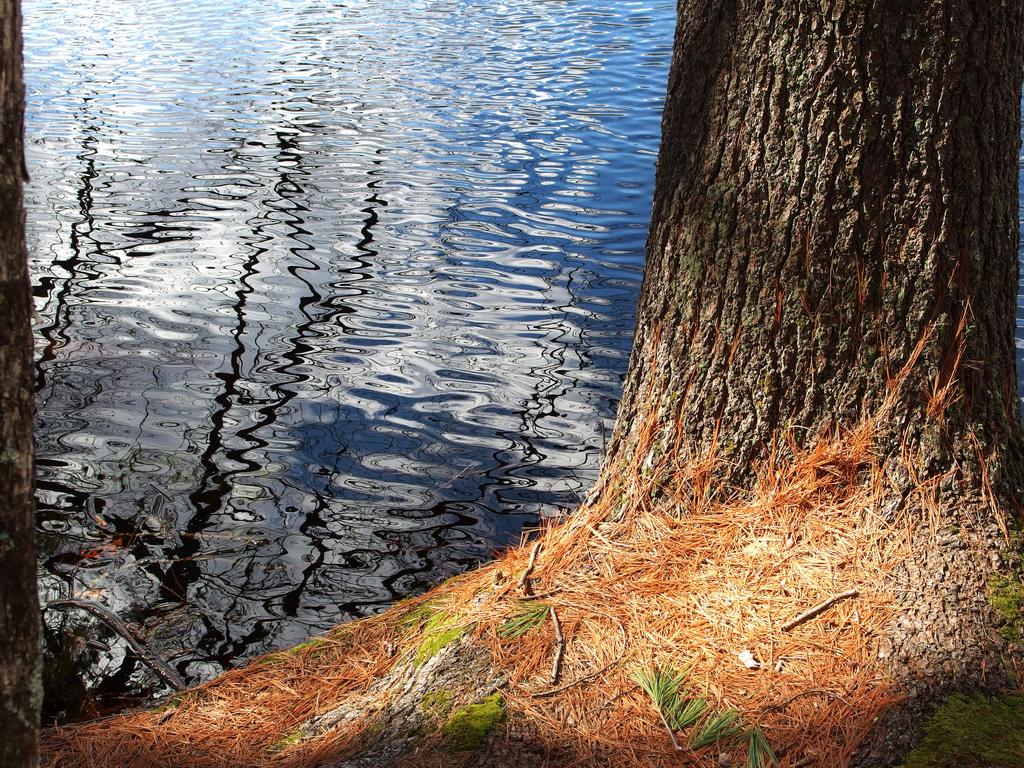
[[654, 571]]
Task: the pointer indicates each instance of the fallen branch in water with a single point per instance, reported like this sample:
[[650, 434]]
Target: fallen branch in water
[[163, 670]]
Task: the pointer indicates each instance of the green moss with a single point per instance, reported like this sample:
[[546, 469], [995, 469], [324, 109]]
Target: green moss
[[437, 704], [287, 741], [289, 654], [1007, 597], [172, 703], [973, 733], [436, 635], [418, 615], [313, 642], [469, 727], [372, 732]]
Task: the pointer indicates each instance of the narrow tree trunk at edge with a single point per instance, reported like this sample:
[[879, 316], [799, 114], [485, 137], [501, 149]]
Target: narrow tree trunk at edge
[[20, 691]]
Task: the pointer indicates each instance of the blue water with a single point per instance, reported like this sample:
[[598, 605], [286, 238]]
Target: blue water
[[335, 298]]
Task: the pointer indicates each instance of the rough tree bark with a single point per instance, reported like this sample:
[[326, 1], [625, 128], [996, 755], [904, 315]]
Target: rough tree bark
[[836, 200], [20, 691]]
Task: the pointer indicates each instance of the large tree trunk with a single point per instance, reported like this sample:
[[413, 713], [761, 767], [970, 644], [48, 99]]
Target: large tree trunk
[[834, 239], [20, 692], [835, 187]]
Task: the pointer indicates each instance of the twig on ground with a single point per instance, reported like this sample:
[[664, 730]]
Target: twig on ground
[[809, 692], [577, 681], [524, 580], [619, 695], [819, 609], [543, 595], [556, 667], [671, 733]]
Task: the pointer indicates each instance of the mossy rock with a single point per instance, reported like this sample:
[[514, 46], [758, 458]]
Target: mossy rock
[[469, 727], [437, 704], [973, 733]]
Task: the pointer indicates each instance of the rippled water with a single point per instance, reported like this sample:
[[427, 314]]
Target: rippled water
[[335, 297]]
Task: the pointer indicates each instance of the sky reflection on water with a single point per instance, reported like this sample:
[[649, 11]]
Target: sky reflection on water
[[335, 298]]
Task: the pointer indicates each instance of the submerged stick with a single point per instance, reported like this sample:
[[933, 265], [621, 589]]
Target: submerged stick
[[819, 609], [556, 667], [524, 580], [162, 669]]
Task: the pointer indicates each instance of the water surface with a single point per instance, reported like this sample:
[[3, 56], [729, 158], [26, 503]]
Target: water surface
[[335, 298]]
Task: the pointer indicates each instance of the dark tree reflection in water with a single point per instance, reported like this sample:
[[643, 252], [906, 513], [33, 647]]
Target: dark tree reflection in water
[[334, 299]]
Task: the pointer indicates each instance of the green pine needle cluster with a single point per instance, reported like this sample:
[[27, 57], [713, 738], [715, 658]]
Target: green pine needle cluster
[[664, 686], [759, 751], [717, 727], [681, 712], [529, 616], [689, 714]]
